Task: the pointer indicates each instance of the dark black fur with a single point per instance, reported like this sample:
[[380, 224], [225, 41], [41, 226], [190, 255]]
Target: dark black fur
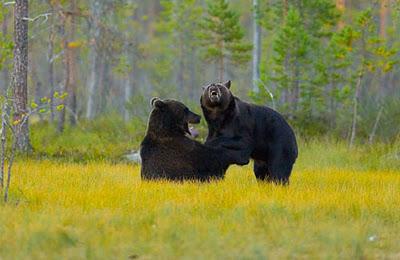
[[258, 130], [167, 153]]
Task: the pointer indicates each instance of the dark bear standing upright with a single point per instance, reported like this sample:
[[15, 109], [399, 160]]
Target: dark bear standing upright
[[167, 153], [260, 131]]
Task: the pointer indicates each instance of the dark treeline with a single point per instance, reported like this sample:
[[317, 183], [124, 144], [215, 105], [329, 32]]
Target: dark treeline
[[331, 67]]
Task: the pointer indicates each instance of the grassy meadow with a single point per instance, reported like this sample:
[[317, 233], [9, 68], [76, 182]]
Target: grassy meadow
[[340, 204]]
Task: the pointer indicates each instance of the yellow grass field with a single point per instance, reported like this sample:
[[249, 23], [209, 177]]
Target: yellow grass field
[[104, 211]]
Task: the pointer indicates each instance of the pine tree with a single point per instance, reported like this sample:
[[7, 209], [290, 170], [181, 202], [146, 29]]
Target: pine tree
[[177, 30], [301, 30], [21, 74], [222, 37], [291, 48]]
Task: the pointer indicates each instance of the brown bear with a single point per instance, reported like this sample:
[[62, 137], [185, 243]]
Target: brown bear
[[167, 152], [259, 131]]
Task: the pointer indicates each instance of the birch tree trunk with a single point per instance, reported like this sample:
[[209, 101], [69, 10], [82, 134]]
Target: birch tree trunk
[[96, 7], [256, 47], [92, 84], [355, 109], [65, 84], [50, 53], [5, 72], [21, 73], [127, 98]]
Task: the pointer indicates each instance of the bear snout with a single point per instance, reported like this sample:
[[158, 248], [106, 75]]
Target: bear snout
[[193, 118], [214, 95]]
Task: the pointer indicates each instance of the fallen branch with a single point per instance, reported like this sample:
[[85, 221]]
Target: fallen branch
[[373, 132]]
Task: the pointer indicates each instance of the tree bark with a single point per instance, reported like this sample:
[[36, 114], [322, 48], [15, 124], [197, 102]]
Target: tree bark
[[355, 109], [127, 98], [50, 53], [296, 87], [181, 62], [383, 14], [193, 72], [35, 81], [21, 74], [5, 72], [375, 127], [181, 70], [95, 32], [92, 84], [72, 66], [341, 6], [221, 68], [257, 46], [61, 119]]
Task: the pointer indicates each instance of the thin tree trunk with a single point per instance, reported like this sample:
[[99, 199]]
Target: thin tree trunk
[[50, 53], [373, 132], [72, 64], [5, 72], [181, 68], [64, 88], [3, 133], [103, 84], [180, 79], [127, 98], [37, 87], [10, 164], [95, 32], [383, 14], [92, 85], [192, 69], [21, 73], [257, 47], [285, 8], [341, 6], [355, 109], [221, 68], [296, 87]]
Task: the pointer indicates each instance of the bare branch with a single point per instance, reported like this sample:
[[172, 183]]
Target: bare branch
[[9, 3], [45, 15]]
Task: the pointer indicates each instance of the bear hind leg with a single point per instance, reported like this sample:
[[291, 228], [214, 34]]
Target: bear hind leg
[[279, 173], [260, 170]]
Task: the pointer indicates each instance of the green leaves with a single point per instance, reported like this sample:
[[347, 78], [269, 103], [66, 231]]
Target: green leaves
[[60, 107], [222, 36]]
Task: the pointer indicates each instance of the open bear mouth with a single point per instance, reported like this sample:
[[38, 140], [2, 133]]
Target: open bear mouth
[[191, 130]]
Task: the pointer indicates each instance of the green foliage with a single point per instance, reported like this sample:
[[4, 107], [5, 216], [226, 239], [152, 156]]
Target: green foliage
[[221, 35], [300, 30], [314, 67], [310, 64], [107, 138], [6, 44]]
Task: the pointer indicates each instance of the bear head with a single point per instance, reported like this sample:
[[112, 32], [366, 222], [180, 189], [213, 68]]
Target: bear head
[[170, 117], [216, 96]]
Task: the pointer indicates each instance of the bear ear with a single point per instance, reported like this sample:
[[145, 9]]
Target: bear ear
[[154, 99], [227, 84], [156, 102]]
